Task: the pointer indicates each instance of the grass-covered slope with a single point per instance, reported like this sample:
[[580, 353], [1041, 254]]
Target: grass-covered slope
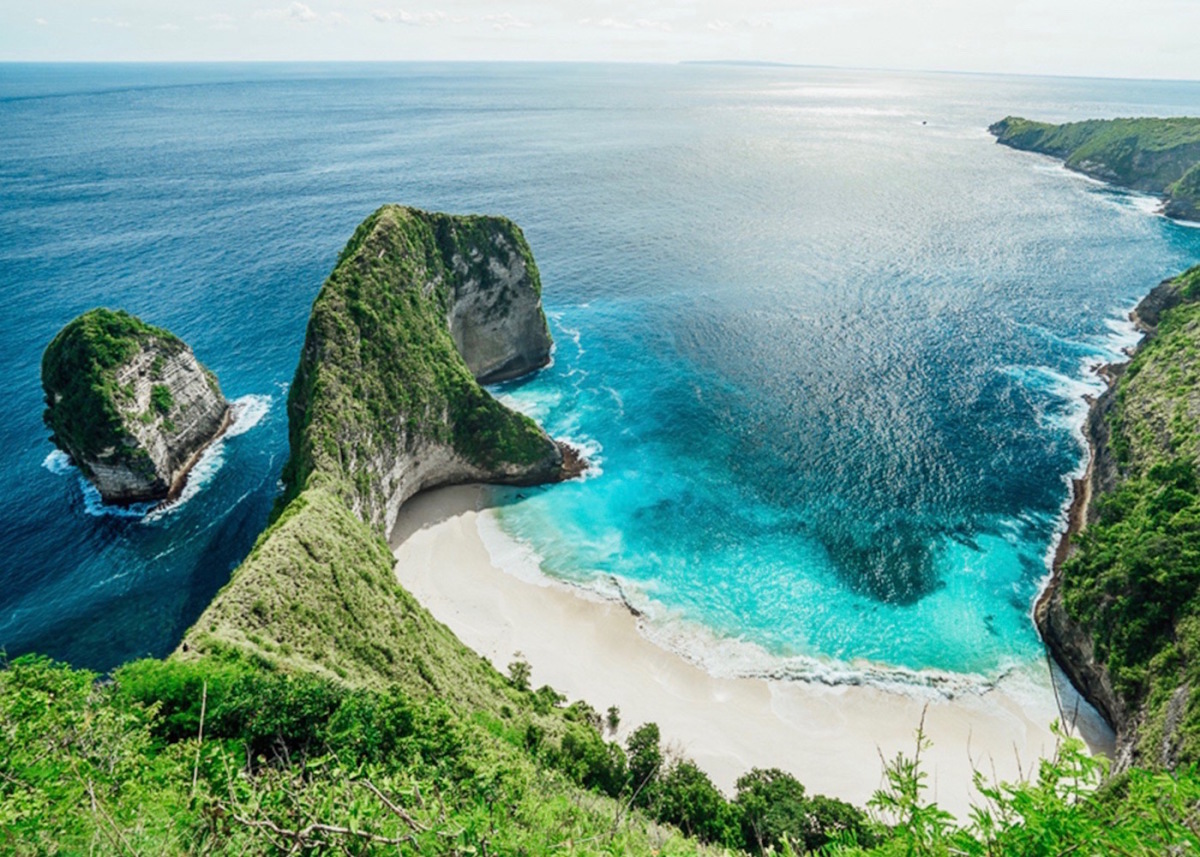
[[1132, 581], [1183, 197], [381, 381], [1151, 155], [225, 757], [318, 595], [79, 369]]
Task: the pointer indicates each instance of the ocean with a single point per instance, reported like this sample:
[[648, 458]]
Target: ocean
[[825, 342]]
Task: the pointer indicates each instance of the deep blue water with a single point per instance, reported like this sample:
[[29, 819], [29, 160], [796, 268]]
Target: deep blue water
[[825, 339]]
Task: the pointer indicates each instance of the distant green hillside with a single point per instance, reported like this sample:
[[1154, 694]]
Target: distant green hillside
[[1153, 155]]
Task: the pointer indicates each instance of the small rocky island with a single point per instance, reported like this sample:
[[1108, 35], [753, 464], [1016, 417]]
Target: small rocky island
[[130, 404], [1158, 156]]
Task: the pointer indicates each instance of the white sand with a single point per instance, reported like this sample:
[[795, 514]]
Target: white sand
[[831, 738]]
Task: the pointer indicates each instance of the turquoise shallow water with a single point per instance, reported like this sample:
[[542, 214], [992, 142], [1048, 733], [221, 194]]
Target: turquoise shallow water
[[825, 340]]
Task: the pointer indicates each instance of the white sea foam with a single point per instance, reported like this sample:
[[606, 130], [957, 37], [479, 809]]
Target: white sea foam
[[58, 463], [591, 450], [573, 333], [1122, 338], [248, 412]]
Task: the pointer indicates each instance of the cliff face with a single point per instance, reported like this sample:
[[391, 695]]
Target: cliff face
[[130, 404], [1183, 202], [495, 315], [387, 401], [1160, 156], [1121, 614]]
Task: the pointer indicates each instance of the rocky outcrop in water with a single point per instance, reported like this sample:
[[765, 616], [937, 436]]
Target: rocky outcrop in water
[[420, 310], [130, 404]]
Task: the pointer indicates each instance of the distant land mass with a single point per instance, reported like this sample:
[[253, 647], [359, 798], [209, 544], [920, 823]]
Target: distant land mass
[[1159, 156]]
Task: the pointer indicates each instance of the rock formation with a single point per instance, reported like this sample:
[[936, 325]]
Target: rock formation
[[130, 404], [419, 310]]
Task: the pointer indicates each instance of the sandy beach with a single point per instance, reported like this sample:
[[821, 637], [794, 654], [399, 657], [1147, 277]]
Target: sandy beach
[[831, 737]]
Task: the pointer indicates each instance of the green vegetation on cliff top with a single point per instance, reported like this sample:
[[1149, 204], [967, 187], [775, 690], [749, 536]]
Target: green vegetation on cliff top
[[79, 378], [1147, 154], [1134, 578], [380, 370]]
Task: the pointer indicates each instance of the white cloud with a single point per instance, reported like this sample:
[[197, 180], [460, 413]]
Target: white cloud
[[218, 21], [627, 24], [298, 13], [41, 22], [505, 21], [721, 25], [415, 19]]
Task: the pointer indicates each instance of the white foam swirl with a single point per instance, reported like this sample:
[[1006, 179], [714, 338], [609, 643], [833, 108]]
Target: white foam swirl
[[248, 412]]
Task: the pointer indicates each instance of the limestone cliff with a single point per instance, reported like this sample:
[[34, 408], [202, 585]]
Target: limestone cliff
[[1159, 156], [1121, 613], [130, 404], [386, 401]]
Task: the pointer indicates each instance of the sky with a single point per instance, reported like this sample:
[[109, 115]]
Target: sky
[[1097, 38]]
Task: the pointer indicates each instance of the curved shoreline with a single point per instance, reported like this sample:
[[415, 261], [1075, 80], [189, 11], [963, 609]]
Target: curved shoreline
[[832, 736]]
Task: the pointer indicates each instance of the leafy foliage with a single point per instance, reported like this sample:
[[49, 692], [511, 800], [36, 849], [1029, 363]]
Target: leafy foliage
[[161, 398], [226, 757], [1066, 807]]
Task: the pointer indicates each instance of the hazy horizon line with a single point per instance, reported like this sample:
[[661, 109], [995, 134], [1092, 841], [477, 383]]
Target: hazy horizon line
[[733, 63]]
